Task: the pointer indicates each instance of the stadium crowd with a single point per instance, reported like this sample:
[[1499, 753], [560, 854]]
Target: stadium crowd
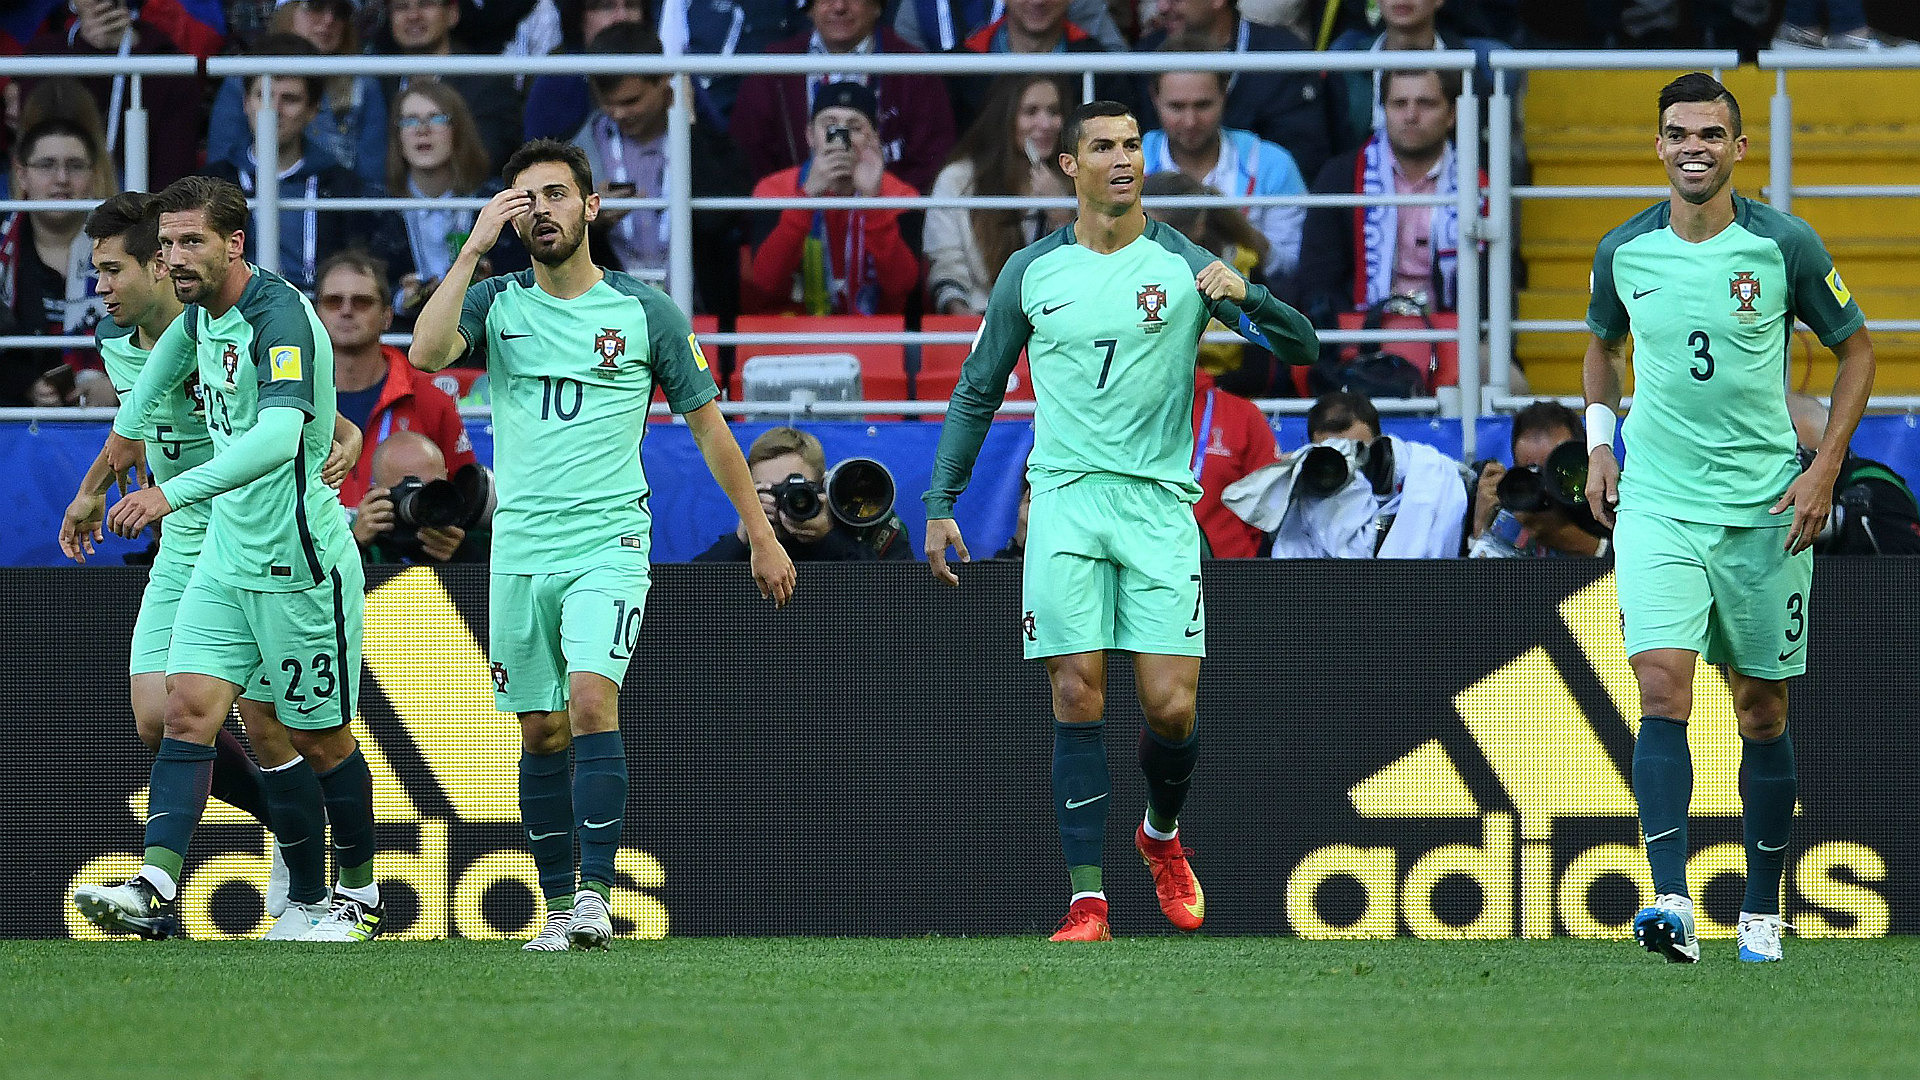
[[833, 134]]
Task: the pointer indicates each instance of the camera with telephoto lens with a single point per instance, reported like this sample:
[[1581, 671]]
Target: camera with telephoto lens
[[858, 492], [466, 502], [1559, 484], [1327, 467]]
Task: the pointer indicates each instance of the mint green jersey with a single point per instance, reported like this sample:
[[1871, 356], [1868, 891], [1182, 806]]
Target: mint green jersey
[[1708, 438], [284, 531], [571, 381], [1112, 343], [176, 432]]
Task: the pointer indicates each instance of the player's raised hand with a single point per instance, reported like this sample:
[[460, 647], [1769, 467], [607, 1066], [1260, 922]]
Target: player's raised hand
[[772, 572], [124, 459], [1811, 497], [1218, 281], [80, 526], [1603, 484], [943, 533], [137, 511], [500, 213]]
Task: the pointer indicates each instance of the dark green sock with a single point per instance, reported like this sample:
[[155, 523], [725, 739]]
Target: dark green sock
[[1663, 788], [599, 804], [348, 790], [1768, 788], [300, 828], [546, 813], [1080, 789], [1168, 767], [176, 798]]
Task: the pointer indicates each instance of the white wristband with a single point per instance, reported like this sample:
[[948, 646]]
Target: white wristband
[[1601, 423]]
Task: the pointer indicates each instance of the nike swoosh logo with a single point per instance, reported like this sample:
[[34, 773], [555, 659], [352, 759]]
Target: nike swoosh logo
[[1785, 656], [1662, 836], [1195, 633], [284, 845], [311, 709], [1054, 308], [504, 336], [599, 824], [1638, 294], [545, 835], [151, 818], [1075, 804], [1764, 846]]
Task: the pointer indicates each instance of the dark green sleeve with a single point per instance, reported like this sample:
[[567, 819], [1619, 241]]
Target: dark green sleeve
[[679, 367], [983, 386], [473, 317], [283, 350], [1816, 295], [1606, 315], [1261, 318]]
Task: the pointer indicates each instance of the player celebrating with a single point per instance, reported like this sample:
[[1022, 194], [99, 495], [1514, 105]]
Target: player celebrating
[[1708, 284], [1110, 309], [140, 306], [575, 353], [277, 590]]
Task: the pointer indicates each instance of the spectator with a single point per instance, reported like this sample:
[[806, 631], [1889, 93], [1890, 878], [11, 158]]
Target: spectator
[[425, 28], [943, 25], [383, 535], [1242, 368], [97, 29], [1364, 254], [834, 262], [1030, 27], [779, 457], [46, 269], [1405, 24], [1874, 510], [727, 27], [1017, 543], [1231, 438], [351, 125], [1191, 141], [65, 98], [1537, 430], [376, 387], [434, 152], [1291, 109], [772, 117], [306, 172], [558, 104], [1009, 150]]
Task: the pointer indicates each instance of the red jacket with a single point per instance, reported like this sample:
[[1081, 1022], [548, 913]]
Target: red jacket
[[1239, 441], [776, 262], [408, 402]]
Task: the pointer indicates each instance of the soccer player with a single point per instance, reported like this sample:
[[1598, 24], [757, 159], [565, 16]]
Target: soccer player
[[1110, 310], [140, 304], [276, 592], [1708, 559], [575, 352]]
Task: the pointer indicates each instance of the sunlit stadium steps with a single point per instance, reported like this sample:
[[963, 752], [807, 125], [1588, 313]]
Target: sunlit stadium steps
[[1850, 128]]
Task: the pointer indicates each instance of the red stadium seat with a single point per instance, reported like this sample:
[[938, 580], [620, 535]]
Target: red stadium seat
[[940, 364], [1444, 356], [883, 368]]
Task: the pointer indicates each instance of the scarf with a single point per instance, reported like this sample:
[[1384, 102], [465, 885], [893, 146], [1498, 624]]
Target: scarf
[[852, 285], [1379, 232]]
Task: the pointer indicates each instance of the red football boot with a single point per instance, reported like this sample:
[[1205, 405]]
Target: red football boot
[[1086, 920], [1173, 881]]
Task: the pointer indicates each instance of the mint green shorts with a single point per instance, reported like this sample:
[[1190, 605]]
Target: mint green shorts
[[1729, 593], [1112, 563], [541, 627], [298, 650]]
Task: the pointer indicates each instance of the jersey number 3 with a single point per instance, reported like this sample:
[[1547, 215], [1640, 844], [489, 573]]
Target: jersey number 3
[[1702, 346]]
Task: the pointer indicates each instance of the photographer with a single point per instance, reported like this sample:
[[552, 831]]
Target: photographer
[[411, 491], [789, 469], [1874, 511], [1518, 514]]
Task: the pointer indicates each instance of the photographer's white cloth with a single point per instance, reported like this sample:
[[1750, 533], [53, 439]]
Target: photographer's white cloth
[[1433, 504]]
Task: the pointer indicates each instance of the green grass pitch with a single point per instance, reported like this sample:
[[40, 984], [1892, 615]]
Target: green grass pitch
[[944, 1007]]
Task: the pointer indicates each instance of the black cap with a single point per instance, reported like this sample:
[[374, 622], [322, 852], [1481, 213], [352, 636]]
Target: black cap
[[848, 95]]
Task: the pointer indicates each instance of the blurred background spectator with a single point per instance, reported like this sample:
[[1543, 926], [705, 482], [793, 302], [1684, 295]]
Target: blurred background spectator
[[426, 28], [1009, 150], [558, 104], [943, 25], [1028, 27], [351, 124], [46, 266], [1242, 368], [1404, 24]]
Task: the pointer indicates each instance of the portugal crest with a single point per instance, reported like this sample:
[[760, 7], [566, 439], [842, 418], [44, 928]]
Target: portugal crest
[[610, 345], [1151, 299], [230, 362], [1745, 288]]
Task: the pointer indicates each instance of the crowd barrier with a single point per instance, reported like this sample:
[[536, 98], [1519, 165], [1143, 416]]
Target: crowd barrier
[[1434, 749]]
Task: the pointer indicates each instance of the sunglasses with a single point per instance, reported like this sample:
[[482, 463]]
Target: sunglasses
[[439, 120], [361, 303]]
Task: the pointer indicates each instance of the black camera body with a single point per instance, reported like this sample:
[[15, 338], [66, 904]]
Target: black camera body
[[1326, 468], [466, 502], [839, 135], [858, 492], [1559, 484]]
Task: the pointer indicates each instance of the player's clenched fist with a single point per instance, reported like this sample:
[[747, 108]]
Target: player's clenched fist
[[500, 212], [1218, 281]]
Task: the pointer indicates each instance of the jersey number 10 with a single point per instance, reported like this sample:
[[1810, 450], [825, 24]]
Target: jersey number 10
[[560, 397]]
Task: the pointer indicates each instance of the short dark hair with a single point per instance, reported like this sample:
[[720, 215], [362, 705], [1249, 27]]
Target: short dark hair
[[225, 206], [1191, 41], [57, 125], [540, 151], [1696, 86], [1077, 120], [1544, 416], [1337, 412], [1449, 81], [622, 39], [126, 217], [289, 45], [360, 263]]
